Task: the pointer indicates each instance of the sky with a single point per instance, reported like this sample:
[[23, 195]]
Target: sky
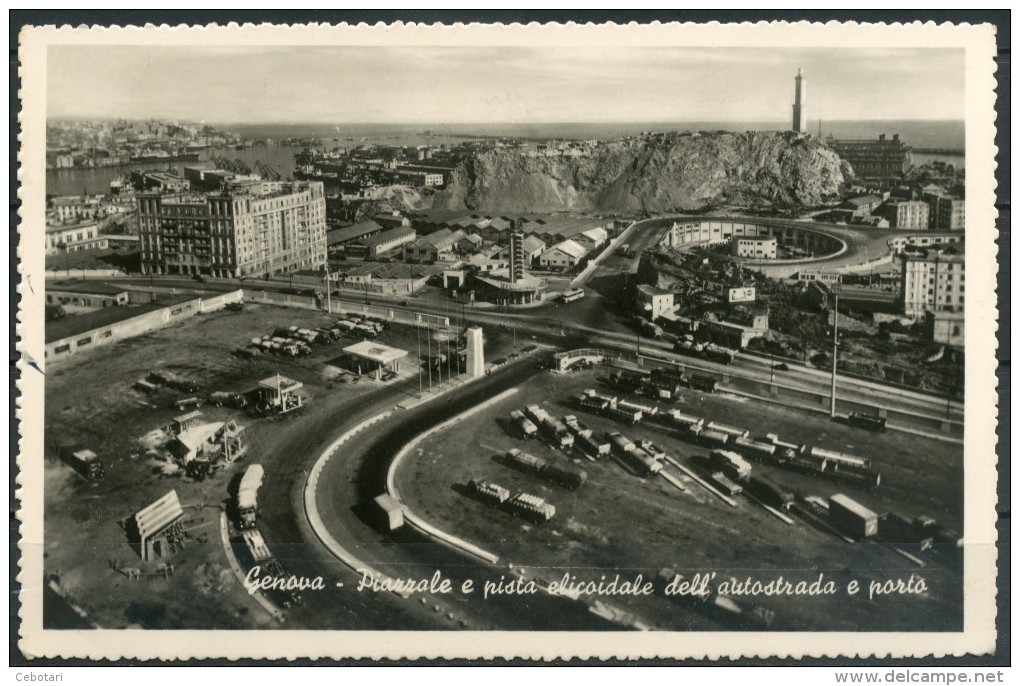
[[479, 84]]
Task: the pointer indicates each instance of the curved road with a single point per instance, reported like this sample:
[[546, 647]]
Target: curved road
[[354, 476]]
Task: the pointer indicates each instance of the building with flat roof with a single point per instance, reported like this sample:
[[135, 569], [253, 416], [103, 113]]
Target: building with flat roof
[[75, 208], [76, 294], [248, 229], [883, 158], [945, 212], [653, 302], [756, 247], [932, 282], [74, 238], [905, 214], [368, 357]]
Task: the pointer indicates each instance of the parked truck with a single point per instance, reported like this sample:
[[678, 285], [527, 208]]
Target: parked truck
[[852, 518], [524, 425], [247, 497], [86, 463]]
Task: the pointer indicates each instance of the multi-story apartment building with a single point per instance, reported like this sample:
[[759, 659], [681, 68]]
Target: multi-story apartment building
[[932, 283], [906, 214], [946, 212], [252, 228]]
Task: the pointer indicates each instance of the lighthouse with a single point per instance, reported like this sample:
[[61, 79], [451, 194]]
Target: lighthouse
[[799, 116]]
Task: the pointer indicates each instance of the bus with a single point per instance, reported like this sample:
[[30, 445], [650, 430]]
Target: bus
[[572, 295]]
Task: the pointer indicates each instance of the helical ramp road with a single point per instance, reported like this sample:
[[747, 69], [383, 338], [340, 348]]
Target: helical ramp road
[[355, 468]]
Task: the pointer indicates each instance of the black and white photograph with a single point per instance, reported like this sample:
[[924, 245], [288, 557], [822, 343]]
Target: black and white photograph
[[502, 335]]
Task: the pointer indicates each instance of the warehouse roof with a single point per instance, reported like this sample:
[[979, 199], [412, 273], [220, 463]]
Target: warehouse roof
[[387, 236], [352, 232], [571, 248]]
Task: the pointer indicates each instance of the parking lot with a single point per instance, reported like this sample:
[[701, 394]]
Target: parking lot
[[619, 522], [92, 400]]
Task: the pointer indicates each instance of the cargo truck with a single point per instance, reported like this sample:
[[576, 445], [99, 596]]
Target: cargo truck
[[866, 421], [86, 463], [852, 518], [247, 497], [524, 425], [730, 463], [703, 383]]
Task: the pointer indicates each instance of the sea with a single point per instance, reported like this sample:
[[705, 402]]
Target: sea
[[942, 135]]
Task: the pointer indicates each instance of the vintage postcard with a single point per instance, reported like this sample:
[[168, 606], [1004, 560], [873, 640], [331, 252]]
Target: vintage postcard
[[478, 341]]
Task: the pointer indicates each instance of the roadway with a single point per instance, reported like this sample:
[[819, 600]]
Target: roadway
[[597, 321], [348, 483]]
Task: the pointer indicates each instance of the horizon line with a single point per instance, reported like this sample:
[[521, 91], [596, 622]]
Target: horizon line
[[279, 122]]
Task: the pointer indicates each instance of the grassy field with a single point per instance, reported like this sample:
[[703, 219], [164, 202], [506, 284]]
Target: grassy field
[[620, 523]]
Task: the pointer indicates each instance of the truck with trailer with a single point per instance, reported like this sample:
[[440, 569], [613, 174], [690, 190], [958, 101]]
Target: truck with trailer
[[709, 437], [83, 461], [669, 375], [645, 410], [731, 431], [524, 425], [642, 461], [173, 381], [247, 496], [724, 484], [488, 492], [146, 386], [852, 518], [557, 433], [769, 492], [730, 463], [704, 383], [866, 421], [754, 449], [531, 508], [711, 603], [567, 476]]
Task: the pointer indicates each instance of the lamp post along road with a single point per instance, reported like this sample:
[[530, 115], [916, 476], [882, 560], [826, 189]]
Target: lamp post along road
[[835, 350]]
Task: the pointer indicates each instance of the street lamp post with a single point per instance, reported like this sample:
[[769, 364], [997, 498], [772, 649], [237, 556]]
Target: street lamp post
[[835, 352]]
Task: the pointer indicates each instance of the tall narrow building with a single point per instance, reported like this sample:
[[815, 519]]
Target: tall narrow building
[[799, 115], [517, 260]]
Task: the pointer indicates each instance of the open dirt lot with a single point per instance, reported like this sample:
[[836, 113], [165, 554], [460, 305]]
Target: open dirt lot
[[620, 523], [90, 400]]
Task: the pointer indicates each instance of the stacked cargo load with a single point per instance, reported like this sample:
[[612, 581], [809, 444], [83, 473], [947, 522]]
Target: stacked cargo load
[[731, 464], [488, 492], [531, 507]]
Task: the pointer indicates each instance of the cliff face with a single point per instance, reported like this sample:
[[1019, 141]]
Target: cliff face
[[677, 172]]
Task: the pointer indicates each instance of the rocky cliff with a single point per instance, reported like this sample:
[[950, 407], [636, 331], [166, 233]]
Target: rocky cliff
[[679, 171]]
